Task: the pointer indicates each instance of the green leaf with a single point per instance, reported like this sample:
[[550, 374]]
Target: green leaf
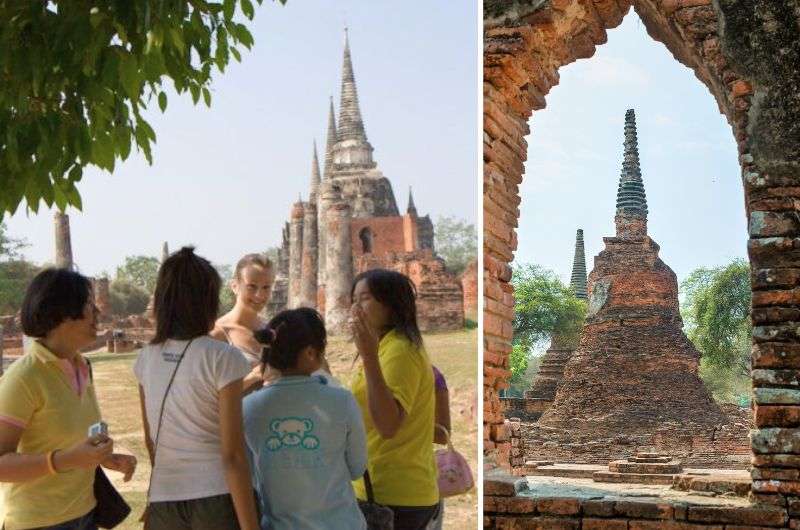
[[162, 101], [228, 9], [195, 90], [236, 55], [129, 75], [207, 96], [103, 151], [75, 174], [247, 9]]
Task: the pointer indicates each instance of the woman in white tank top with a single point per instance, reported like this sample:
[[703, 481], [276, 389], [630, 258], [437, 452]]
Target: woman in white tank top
[[252, 285]]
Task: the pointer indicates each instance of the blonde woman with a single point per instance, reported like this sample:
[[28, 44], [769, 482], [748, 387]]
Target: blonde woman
[[252, 284]]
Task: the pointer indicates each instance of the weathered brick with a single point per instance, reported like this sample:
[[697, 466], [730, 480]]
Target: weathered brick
[[558, 506], [767, 515]]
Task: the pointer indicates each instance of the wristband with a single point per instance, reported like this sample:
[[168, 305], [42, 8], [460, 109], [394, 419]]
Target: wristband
[[50, 467]]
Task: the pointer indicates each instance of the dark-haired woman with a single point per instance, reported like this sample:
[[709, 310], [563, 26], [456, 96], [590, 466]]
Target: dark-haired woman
[[395, 390], [47, 405], [190, 387], [306, 439]]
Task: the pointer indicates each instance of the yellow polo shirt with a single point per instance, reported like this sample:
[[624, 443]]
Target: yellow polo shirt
[[39, 396], [402, 469]]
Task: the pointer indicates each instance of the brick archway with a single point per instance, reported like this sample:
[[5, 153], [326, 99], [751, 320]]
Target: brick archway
[[747, 54]]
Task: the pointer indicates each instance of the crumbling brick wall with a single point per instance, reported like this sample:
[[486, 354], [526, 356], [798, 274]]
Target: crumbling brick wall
[[439, 297]]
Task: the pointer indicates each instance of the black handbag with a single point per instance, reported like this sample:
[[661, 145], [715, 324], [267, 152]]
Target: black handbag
[[111, 508], [378, 516]]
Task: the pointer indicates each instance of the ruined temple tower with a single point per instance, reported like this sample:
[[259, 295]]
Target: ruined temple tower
[[296, 253], [551, 369], [339, 264], [63, 241], [578, 279], [634, 370], [351, 223], [164, 252], [310, 259]]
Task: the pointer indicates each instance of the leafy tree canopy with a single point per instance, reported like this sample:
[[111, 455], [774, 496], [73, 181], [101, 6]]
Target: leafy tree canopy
[[9, 246], [456, 241], [226, 297], [15, 272], [140, 271], [76, 76], [716, 311], [127, 298], [544, 306]]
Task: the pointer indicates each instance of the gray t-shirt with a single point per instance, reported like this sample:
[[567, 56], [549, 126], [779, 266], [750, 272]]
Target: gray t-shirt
[[189, 455], [306, 443]]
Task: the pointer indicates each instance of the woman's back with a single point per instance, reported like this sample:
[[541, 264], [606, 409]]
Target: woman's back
[[306, 442], [188, 456]]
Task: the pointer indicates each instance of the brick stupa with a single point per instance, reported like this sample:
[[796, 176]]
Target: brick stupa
[[551, 370], [634, 369]]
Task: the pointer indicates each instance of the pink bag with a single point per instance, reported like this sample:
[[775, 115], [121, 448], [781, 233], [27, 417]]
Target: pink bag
[[455, 476]]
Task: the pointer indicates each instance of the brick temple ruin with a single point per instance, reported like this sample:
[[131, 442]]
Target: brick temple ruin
[[551, 368], [746, 53], [632, 382], [351, 223]]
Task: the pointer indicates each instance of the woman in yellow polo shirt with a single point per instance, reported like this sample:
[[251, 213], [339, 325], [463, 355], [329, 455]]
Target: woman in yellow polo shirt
[[395, 390], [47, 404]]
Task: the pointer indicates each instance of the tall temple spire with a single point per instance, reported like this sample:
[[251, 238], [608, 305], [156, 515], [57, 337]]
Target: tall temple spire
[[578, 280], [330, 141], [315, 178], [412, 209], [631, 200], [164, 252], [351, 126]]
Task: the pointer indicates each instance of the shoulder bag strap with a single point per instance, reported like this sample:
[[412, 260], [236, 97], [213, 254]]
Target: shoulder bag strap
[[161, 414], [368, 486]]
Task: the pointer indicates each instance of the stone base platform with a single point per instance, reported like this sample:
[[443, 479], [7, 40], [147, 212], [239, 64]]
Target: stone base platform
[[563, 470], [569, 503], [633, 478], [714, 482], [725, 447], [526, 409]]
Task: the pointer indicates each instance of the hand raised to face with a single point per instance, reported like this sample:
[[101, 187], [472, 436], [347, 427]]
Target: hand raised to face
[[365, 339]]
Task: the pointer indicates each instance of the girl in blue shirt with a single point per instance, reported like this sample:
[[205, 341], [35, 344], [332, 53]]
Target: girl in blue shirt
[[305, 439]]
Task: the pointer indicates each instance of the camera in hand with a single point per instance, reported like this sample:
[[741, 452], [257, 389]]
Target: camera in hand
[[100, 427]]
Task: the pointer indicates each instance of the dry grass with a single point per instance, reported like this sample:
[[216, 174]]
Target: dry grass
[[454, 353]]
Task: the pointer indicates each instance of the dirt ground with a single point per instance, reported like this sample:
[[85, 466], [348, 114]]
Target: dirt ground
[[454, 353]]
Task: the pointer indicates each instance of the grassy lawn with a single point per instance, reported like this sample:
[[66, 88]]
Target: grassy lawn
[[454, 353]]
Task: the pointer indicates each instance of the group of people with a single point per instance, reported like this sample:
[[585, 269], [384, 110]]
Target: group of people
[[244, 425]]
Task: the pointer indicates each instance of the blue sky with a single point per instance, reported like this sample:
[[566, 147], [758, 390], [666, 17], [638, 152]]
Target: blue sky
[[224, 178], [687, 153]]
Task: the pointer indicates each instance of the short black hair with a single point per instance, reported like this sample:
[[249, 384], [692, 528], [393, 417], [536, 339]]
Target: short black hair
[[397, 292], [186, 300], [52, 297], [290, 332]]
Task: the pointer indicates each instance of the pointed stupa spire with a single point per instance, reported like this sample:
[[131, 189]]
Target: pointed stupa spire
[[351, 126], [412, 209], [315, 178], [631, 200], [330, 141], [164, 252], [578, 280]]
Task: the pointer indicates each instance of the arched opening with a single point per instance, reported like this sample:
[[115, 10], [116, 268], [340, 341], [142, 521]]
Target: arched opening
[[525, 45], [366, 237]]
